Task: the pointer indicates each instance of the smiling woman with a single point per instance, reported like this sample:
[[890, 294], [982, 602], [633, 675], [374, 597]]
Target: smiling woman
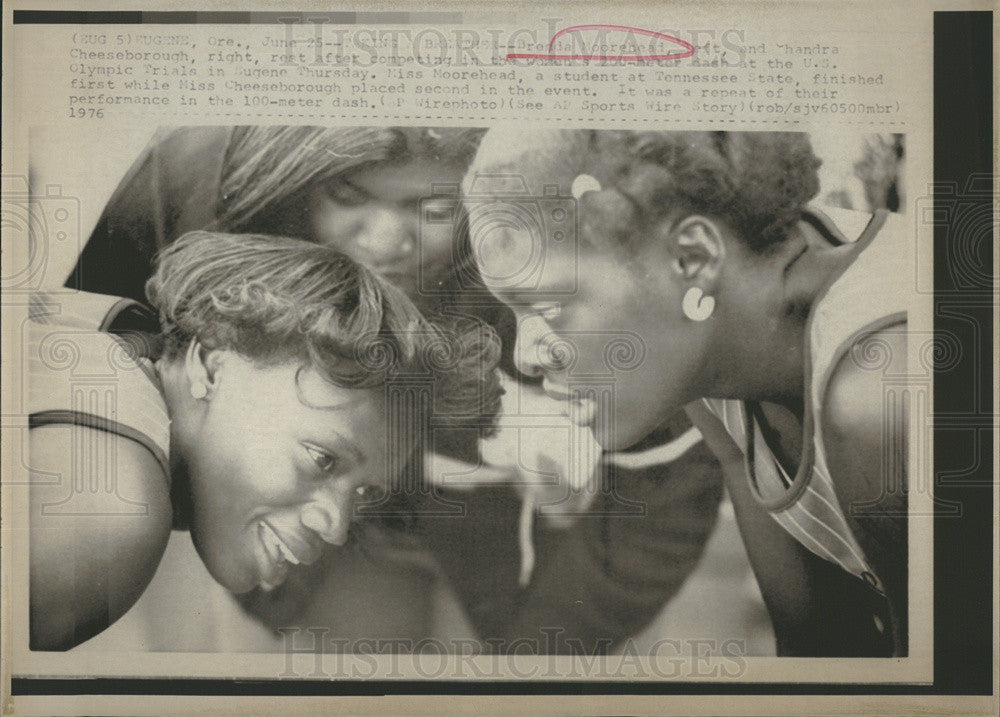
[[388, 197], [255, 413]]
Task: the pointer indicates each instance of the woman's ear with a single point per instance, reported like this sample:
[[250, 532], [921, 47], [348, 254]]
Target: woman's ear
[[697, 250], [201, 366]]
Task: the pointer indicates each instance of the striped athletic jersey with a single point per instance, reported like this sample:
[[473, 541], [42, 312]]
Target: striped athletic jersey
[[88, 365], [869, 295]]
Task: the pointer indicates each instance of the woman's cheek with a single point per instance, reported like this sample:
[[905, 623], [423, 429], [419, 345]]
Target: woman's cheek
[[267, 473], [332, 224], [435, 247]]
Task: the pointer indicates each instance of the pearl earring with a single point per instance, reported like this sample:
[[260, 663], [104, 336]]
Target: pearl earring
[[584, 183], [696, 305], [198, 390]]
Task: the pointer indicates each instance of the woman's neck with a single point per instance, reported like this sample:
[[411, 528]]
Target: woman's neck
[[775, 351], [175, 395]]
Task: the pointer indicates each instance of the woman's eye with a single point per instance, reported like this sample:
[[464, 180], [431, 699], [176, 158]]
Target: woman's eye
[[345, 194], [323, 460]]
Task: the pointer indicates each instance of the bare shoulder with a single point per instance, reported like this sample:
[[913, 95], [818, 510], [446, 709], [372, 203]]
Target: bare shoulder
[[99, 521], [101, 473], [865, 404], [865, 435]]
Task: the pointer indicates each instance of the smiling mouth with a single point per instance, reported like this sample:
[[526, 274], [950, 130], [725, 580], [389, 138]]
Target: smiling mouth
[[272, 567], [274, 546], [275, 555]]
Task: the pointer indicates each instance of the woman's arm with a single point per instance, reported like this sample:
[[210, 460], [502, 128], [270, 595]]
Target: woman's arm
[[865, 432], [817, 609], [595, 583], [91, 557], [609, 575]]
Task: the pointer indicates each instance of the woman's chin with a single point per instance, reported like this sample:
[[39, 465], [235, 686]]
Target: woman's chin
[[238, 582], [243, 590], [615, 437]]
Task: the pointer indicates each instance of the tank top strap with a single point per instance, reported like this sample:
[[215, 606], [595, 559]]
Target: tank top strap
[[863, 298], [872, 293], [80, 373]]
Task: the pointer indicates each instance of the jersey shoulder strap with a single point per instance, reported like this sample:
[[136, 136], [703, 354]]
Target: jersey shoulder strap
[[88, 363]]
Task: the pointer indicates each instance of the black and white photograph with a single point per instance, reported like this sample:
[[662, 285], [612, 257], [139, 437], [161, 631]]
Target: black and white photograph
[[495, 386], [393, 399]]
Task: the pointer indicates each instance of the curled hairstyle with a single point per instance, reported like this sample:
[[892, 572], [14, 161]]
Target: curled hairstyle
[[757, 182], [273, 299]]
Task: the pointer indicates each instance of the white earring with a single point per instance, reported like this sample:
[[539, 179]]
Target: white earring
[[696, 305], [198, 390], [584, 183]]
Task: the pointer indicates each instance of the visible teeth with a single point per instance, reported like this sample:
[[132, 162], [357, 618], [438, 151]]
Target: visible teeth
[[281, 551], [287, 554], [267, 540]]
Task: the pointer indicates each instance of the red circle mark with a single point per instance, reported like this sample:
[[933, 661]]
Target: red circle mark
[[688, 50]]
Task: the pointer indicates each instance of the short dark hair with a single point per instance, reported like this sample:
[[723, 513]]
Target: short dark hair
[[758, 182], [274, 299]]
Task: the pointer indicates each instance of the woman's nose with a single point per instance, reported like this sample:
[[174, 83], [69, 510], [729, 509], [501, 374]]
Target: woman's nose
[[387, 236], [328, 515]]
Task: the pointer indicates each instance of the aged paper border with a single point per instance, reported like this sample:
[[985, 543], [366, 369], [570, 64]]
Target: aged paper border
[[913, 670]]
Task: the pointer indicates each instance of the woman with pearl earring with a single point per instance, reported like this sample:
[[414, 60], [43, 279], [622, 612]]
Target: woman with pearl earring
[[757, 313], [248, 411]]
